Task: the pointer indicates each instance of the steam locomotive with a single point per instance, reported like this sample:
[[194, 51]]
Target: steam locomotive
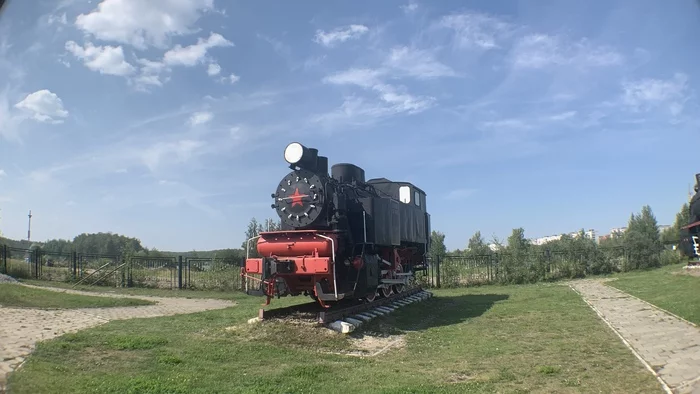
[[342, 237], [690, 234]]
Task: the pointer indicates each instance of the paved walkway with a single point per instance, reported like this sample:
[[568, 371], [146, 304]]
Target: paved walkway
[[667, 344], [21, 328]]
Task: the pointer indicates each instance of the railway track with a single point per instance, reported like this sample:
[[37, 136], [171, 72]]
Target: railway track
[[345, 314]]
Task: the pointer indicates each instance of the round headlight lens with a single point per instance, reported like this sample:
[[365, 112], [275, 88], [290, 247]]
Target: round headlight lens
[[293, 153]]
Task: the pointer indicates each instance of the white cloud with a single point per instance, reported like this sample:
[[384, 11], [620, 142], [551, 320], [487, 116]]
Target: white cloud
[[2, 173], [182, 150], [213, 69], [475, 30], [201, 118], [104, 59], [43, 106], [196, 53], [233, 78], [410, 7], [392, 100], [340, 34], [647, 93], [359, 111], [142, 23], [149, 74], [401, 101], [417, 63], [62, 20], [513, 123], [364, 77], [562, 116], [236, 133], [542, 50]]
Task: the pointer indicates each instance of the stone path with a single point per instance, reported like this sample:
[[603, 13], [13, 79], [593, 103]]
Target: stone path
[[21, 328], [668, 345]]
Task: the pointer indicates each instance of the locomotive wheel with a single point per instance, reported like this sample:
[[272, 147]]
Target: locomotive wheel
[[387, 291], [370, 297], [398, 288]]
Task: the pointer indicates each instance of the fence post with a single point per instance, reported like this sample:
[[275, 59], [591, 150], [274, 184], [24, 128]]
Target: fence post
[[4, 259], [179, 272], [438, 271], [75, 265], [36, 263]]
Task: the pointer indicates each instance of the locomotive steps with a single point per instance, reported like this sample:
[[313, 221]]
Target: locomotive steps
[[352, 321]]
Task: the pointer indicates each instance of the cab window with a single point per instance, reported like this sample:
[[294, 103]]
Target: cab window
[[405, 194]]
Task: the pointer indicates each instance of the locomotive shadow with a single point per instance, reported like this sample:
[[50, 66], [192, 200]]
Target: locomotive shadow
[[438, 311]]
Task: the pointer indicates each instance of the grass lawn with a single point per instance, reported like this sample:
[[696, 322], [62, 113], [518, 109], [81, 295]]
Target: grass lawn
[[226, 295], [538, 338], [671, 288], [14, 295]]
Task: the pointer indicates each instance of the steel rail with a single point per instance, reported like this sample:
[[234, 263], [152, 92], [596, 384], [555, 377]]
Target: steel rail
[[325, 317]]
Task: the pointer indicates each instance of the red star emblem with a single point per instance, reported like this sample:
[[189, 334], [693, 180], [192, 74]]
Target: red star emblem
[[296, 198]]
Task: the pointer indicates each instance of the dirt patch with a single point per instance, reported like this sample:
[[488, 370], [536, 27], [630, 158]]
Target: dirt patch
[[690, 271], [370, 346], [459, 378]]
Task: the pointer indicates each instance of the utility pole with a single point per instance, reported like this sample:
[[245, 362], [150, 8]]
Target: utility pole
[[29, 229]]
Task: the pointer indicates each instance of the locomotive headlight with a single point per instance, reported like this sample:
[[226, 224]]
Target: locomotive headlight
[[293, 153]]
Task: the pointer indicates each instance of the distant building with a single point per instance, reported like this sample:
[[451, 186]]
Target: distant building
[[590, 234], [494, 247]]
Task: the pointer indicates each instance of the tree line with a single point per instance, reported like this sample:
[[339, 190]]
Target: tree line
[[642, 245]]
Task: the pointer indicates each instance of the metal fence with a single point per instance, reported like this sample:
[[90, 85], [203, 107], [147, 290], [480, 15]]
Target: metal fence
[[121, 271], [454, 270], [449, 270]]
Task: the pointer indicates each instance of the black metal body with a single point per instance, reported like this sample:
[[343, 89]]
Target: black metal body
[[690, 236], [380, 223]]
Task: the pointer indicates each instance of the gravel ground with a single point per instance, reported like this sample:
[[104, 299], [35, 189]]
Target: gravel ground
[[7, 279]]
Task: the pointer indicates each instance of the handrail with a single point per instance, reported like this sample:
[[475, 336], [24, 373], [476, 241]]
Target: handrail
[[247, 246], [93, 273], [108, 273], [335, 285]]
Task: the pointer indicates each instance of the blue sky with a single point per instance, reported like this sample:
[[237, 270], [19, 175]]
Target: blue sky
[[166, 120]]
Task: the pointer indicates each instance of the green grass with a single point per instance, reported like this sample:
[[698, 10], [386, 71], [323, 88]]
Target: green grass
[[671, 288], [538, 338], [14, 295]]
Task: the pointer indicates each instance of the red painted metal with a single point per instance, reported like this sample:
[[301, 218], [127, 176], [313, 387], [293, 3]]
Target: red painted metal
[[694, 224], [302, 266], [296, 243]]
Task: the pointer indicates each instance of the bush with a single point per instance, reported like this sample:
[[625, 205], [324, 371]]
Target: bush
[[670, 257]]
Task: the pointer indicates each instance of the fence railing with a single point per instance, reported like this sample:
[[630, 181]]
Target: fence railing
[[122, 271], [464, 269], [449, 270]]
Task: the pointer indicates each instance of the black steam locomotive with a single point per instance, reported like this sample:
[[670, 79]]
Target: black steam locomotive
[[690, 234], [342, 236]]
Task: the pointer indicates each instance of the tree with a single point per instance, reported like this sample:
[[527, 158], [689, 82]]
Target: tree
[[515, 259], [437, 245], [254, 229], [477, 246], [272, 225], [673, 234], [643, 240]]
